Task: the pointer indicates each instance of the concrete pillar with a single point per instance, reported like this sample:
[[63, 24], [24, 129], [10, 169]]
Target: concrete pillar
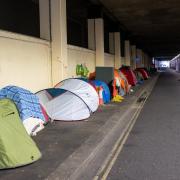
[[99, 35], [111, 43], [91, 34], [127, 53], [149, 61], [59, 40], [178, 64], [139, 58], [142, 61], [133, 59], [146, 61], [117, 44], [44, 10], [123, 61]]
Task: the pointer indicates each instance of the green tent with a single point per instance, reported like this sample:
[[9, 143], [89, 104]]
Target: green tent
[[16, 146]]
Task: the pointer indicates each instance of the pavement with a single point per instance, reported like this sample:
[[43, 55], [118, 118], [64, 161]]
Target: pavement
[[152, 150], [76, 150]]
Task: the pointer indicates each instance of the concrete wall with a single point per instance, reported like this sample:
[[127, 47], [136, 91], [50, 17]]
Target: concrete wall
[[78, 55], [24, 61], [109, 60]]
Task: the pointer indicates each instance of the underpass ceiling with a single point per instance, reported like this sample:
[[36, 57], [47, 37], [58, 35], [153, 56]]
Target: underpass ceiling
[[152, 24]]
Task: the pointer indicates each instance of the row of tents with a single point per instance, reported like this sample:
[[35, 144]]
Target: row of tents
[[23, 113]]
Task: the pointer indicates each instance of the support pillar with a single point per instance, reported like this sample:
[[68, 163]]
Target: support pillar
[[127, 53], [143, 59], [123, 62], [91, 34], [139, 58], [111, 43], [53, 27], [149, 61], [146, 61], [44, 10], [133, 59], [117, 44], [59, 40], [99, 39]]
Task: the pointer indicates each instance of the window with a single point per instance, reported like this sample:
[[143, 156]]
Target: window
[[20, 16], [77, 29]]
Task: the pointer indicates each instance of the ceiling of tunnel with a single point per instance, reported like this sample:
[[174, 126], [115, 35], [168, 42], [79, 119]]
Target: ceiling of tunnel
[[153, 24]]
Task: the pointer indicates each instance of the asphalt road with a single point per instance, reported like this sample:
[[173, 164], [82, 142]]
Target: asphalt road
[[152, 150]]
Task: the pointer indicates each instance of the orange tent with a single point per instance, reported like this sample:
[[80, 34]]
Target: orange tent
[[118, 82]]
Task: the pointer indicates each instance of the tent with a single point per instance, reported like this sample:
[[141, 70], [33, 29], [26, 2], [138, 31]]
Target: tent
[[16, 146], [143, 73], [126, 70], [127, 85], [92, 76], [70, 100], [139, 77], [147, 71], [28, 107], [106, 96], [83, 90], [119, 86]]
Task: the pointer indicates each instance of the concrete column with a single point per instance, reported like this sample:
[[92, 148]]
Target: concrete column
[[59, 40], [133, 59], [127, 53], [143, 58], [111, 43], [99, 35], [146, 61], [91, 34], [178, 65], [44, 19], [139, 58], [149, 61], [123, 61], [117, 44]]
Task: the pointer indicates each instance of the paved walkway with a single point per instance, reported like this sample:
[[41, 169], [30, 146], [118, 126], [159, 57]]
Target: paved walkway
[[59, 141], [152, 151]]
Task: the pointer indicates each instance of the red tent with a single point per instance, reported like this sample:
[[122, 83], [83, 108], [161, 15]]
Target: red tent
[[143, 72], [131, 77]]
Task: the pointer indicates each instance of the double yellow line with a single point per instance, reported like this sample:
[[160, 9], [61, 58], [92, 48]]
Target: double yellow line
[[112, 157]]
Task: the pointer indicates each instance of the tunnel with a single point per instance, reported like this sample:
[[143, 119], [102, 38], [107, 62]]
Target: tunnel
[[97, 83]]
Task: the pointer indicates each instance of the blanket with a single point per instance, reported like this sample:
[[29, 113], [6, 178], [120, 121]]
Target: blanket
[[26, 102]]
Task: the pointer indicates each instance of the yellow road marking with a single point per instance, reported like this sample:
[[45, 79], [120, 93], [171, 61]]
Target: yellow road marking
[[111, 159]]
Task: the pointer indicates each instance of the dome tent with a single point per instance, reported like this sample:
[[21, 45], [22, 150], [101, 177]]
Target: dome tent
[[127, 85], [143, 72], [106, 92], [83, 90], [70, 100], [119, 86], [139, 77], [16, 146], [131, 77]]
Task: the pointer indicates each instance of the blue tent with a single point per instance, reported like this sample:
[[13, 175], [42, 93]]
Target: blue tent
[[106, 91]]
